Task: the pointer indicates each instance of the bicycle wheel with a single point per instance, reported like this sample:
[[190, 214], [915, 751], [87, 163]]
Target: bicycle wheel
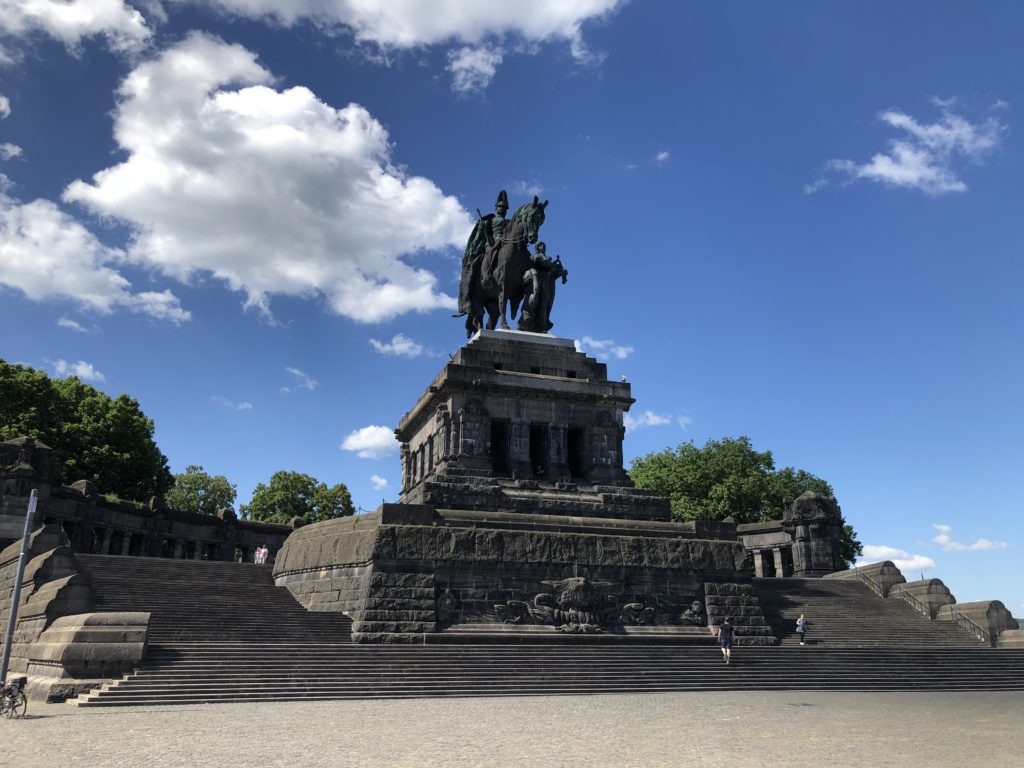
[[19, 706]]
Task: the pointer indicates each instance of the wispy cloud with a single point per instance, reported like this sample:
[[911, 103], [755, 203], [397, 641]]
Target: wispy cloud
[[526, 188], [5, 107], [662, 157], [74, 325], [400, 346], [684, 421], [83, 370], [925, 155], [945, 539], [902, 559], [301, 380], [473, 68], [231, 404], [604, 347], [379, 483], [645, 419], [372, 442], [9, 151]]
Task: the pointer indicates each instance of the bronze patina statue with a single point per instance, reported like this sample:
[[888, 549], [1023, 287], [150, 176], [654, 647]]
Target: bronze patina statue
[[495, 262], [539, 282]]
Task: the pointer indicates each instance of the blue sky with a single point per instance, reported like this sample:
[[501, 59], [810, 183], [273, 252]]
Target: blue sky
[[797, 222]]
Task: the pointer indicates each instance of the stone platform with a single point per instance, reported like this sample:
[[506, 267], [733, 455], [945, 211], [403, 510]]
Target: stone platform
[[518, 520]]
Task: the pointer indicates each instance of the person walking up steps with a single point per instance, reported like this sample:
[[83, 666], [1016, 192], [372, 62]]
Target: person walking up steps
[[725, 631], [801, 628]]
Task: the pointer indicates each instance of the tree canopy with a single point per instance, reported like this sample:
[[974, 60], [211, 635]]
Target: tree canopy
[[293, 494], [728, 478], [106, 440], [196, 491]]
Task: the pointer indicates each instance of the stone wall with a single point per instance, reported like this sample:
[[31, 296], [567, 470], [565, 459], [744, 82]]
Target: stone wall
[[96, 525], [405, 570]]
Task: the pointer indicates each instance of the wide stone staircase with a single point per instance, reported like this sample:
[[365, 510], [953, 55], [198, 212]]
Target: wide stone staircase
[[847, 614], [221, 632], [195, 601]]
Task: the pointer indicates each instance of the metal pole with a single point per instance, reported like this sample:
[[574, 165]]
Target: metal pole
[[16, 593]]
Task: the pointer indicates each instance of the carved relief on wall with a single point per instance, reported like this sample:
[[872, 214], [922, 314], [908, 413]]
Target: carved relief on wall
[[580, 605]]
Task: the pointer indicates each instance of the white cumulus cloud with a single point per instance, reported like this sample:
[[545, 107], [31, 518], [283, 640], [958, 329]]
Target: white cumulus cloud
[[925, 155], [271, 192], [47, 254], [604, 348], [71, 21], [645, 419], [399, 346], [902, 559], [379, 483], [9, 151], [5, 107], [945, 539], [662, 156], [373, 442], [83, 370]]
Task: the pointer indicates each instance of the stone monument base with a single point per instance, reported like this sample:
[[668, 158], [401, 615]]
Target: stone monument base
[[416, 574]]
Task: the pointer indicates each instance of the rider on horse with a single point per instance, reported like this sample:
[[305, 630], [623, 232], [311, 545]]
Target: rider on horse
[[489, 230]]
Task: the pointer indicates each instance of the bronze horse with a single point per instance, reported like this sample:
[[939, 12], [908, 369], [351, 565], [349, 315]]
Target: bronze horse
[[499, 285]]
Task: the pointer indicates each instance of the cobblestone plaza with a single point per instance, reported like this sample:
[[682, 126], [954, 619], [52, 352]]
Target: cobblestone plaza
[[930, 730]]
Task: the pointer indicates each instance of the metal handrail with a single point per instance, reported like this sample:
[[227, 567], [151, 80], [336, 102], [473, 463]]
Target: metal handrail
[[873, 585], [969, 624], [917, 603]]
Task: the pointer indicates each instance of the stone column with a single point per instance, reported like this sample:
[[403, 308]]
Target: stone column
[[105, 546], [519, 449], [558, 452], [759, 563], [197, 551], [179, 547], [126, 543], [777, 558]]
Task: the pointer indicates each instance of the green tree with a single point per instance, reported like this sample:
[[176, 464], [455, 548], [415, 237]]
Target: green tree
[[293, 494], [196, 491], [106, 440], [728, 478]]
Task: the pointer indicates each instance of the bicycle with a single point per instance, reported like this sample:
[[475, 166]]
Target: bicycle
[[13, 702]]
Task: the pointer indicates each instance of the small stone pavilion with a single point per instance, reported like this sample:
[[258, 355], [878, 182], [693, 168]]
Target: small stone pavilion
[[517, 520]]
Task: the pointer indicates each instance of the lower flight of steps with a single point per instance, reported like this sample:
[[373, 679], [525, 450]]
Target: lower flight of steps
[[195, 601], [192, 673], [845, 613]]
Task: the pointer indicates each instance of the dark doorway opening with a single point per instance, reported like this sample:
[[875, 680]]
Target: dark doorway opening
[[539, 450], [136, 544], [116, 543], [575, 450], [499, 447]]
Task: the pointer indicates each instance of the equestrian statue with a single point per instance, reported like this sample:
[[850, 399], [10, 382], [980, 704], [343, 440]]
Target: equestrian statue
[[499, 273]]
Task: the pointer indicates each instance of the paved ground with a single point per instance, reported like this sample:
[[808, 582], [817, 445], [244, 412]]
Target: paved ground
[[929, 730]]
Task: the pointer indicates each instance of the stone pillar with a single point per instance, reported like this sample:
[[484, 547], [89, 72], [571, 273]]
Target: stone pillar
[[105, 546], [126, 543], [815, 524], [519, 449], [197, 550], [780, 569], [179, 547], [558, 452], [404, 458], [759, 563]]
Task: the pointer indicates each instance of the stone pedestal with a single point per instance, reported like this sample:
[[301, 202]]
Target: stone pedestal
[[815, 524]]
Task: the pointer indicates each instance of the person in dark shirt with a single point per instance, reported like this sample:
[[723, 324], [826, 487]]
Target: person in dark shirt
[[725, 632]]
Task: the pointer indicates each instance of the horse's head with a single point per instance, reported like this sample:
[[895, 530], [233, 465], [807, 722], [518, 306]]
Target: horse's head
[[531, 216]]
